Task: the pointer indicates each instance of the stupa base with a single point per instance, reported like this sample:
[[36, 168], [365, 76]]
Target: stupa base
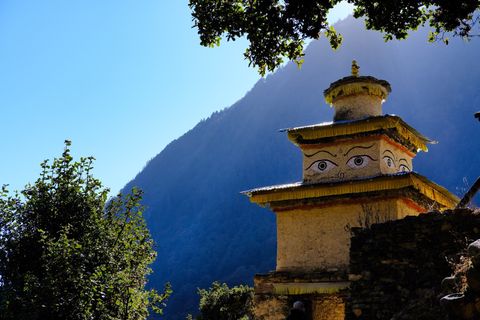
[[323, 294]]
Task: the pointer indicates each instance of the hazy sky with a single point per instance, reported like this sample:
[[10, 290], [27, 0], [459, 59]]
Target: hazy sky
[[121, 79]]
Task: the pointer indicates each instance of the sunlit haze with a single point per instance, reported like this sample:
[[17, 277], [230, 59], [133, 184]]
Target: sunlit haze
[[121, 79]]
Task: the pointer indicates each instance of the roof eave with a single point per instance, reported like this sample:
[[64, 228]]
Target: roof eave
[[264, 196], [299, 135]]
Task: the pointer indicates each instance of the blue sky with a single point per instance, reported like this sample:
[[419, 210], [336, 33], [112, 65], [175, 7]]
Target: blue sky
[[121, 79]]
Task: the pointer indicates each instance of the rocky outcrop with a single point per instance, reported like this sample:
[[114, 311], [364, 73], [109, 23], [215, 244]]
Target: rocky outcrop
[[463, 301]]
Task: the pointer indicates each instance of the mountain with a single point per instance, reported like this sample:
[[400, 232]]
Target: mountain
[[206, 230]]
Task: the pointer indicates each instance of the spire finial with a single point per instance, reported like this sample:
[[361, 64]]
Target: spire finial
[[355, 68]]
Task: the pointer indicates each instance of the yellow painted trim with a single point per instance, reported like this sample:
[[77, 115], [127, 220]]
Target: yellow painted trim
[[381, 183], [309, 288], [348, 89], [362, 126]]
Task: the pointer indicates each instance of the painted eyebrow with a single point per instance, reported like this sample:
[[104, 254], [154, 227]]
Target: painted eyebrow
[[359, 147], [403, 160], [311, 155], [391, 153], [365, 155]]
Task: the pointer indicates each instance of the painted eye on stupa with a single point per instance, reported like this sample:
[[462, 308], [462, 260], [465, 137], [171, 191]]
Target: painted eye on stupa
[[389, 162], [403, 168], [322, 166], [358, 162]]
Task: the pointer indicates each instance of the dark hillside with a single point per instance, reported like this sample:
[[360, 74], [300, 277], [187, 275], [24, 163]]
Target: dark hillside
[[206, 230]]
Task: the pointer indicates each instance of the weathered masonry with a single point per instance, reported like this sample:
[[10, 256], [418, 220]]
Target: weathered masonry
[[357, 170]]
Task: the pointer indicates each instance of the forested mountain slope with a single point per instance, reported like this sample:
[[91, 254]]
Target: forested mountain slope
[[206, 230]]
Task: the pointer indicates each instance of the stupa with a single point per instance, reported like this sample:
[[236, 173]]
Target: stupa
[[357, 170]]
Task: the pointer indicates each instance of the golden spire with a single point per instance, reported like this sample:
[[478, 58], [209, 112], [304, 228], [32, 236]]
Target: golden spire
[[355, 68]]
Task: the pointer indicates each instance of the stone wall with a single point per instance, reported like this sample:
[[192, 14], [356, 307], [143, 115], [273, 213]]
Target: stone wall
[[396, 268]]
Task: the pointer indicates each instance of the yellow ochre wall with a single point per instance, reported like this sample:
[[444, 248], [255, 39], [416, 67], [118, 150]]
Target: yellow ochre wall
[[328, 308], [272, 308], [358, 106], [315, 238], [354, 159]]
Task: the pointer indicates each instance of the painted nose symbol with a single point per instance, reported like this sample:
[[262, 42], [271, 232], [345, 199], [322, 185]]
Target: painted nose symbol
[[341, 175]]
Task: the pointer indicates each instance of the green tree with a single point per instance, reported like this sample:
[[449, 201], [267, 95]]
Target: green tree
[[65, 253], [278, 28], [222, 302]]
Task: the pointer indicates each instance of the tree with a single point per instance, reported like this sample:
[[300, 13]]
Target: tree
[[65, 253], [222, 302], [278, 28]]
